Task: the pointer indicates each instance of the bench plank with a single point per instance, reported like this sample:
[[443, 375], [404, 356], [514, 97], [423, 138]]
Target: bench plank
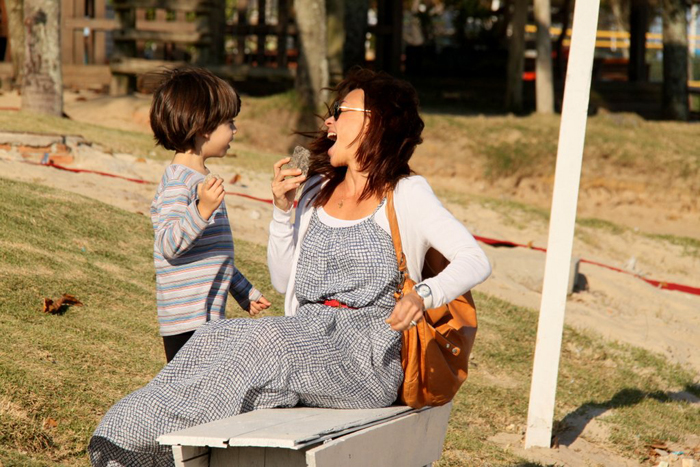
[[288, 428]]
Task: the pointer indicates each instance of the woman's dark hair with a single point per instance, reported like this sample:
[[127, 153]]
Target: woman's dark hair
[[187, 102], [393, 132]]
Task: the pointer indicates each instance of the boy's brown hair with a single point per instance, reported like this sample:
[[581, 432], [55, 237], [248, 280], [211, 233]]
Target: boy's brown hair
[[187, 102]]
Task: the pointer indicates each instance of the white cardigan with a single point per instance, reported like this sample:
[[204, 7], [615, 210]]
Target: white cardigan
[[423, 222]]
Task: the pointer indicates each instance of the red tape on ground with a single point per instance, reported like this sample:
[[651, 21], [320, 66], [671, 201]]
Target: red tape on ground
[[489, 241], [135, 180], [655, 283], [104, 174]]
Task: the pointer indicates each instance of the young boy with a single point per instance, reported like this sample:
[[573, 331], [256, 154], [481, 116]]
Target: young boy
[[192, 114]]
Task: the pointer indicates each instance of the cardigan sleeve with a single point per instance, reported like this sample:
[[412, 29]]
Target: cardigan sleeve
[[430, 224], [280, 248]]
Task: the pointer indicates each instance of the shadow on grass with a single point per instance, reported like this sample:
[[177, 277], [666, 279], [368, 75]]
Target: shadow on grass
[[573, 424], [534, 464]]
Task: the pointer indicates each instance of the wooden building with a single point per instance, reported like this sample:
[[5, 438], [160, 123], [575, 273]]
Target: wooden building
[[112, 44], [108, 44]]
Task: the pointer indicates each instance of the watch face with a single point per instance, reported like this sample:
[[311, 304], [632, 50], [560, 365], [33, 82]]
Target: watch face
[[423, 290]]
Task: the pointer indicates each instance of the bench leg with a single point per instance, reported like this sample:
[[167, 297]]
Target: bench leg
[[190, 456]]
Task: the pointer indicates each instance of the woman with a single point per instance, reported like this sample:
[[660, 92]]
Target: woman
[[339, 344], [372, 131]]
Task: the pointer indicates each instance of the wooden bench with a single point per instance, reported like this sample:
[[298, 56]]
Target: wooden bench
[[302, 436]]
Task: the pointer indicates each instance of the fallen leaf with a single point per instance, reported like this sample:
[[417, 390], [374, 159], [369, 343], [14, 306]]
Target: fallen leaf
[[236, 178], [61, 305], [50, 423]]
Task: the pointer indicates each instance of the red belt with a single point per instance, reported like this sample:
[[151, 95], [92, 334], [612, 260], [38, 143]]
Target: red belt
[[337, 304]]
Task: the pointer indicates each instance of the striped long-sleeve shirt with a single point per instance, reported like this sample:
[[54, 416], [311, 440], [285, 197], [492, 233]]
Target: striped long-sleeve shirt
[[193, 257]]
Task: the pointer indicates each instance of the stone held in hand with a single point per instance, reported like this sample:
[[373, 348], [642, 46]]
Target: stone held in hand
[[300, 159]]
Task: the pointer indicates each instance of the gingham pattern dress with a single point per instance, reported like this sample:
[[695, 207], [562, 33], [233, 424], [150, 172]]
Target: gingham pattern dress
[[346, 358]]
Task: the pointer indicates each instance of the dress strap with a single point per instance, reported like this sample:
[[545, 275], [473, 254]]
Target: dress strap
[[381, 203]]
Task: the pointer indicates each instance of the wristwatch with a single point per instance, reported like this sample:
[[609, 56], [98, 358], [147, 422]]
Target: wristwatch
[[426, 294]]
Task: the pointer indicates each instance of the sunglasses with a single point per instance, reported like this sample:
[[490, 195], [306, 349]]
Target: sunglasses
[[337, 109]]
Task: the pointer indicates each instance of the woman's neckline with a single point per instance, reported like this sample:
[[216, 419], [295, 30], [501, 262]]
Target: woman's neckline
[[349, 221]]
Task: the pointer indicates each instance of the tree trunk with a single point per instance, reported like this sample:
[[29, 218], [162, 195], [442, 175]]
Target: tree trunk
[[544, 83], [217, 28], [15, 18], [516, 57], [675, 88], [501, 31], [312, 71], [565, 13], [335, 9], [355, 33], [639, 24], [242, 7], [692, 40], [42, 86], [618, 11], [389, 36]]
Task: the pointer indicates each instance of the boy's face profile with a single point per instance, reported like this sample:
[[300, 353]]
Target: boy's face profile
[[218, 141]]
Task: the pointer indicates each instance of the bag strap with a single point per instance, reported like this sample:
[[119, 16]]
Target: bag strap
[[395, 233], [396, 239]]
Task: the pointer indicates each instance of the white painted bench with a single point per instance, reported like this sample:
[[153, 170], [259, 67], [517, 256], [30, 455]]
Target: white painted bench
[[302, 436]]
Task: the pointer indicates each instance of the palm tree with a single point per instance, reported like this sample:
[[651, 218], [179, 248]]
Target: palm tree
[[42, 84], [675, 89], [15, 16], [312, 72], [545, 83], [516, 57]]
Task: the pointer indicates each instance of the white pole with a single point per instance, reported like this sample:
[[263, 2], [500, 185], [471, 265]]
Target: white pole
[[567, 176]]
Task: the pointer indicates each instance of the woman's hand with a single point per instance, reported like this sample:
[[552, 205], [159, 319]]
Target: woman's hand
[[284, 184], [409, 308]]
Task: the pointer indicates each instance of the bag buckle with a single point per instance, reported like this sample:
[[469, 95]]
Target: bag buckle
[[398, 295]]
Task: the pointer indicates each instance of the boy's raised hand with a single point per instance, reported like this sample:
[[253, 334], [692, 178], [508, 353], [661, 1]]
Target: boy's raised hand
[[258, 305], [211, 193]]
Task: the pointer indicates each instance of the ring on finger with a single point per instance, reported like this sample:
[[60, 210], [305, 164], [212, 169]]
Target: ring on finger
[[412, 324]]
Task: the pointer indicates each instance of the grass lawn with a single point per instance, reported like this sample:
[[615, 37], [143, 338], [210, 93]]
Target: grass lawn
[[60, 373]]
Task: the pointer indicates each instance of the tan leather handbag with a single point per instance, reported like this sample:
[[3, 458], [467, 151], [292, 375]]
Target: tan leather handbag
[[435, 352]]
